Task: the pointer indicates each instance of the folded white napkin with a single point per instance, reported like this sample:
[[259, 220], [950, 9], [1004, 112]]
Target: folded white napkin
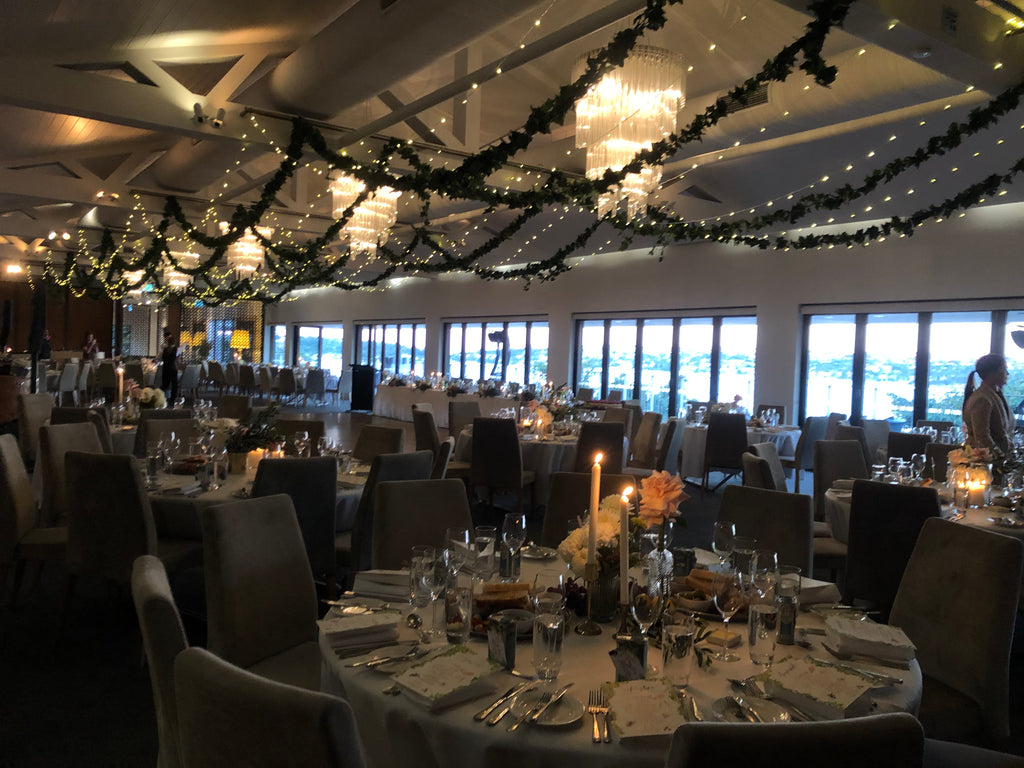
[[448, 677], [823, 691], [866, 638], [813, 591], [364, 630], [843, 484], [386, 585]]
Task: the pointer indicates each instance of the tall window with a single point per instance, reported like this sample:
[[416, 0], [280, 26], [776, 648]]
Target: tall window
[[276, 342], [392, 348], [666, 361], [321, 347], [957, 340], [505, 350], [830, 364], [890, 366]]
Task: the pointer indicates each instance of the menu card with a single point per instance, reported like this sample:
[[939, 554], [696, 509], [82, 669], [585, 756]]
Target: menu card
[[644, 708]]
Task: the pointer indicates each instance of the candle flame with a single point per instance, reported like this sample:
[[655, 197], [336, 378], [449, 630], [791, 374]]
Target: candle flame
[[598, 457], [626, 492]]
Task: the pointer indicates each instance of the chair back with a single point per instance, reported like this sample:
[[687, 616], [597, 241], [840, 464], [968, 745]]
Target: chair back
[[286, 381], [54, 442], [770, 453], [461, 414], [671, 445], [345, 385], [110, 524], [635, 414], [620, 415], [246, 378], [885, 521], [425, 431], [957, 603], [147, 415], [833, 460], [372, 441], [904, 444], [106, 379], [614, 395], [69, 415], [266, 381], [228, 716], [644, 445], [813, 431], [604, 437], [231, 374], [17, 506], [444, 455], [156, 430], [876, 432], [411, 512], [846, 432], [235, 407], [834, 420], [497, 459], [585, 394], [163, 638], [726, 441], [68, 381], [893, 740], [260, 596], [134, 372], [33, 412], [780, 521], [315, 384], [86, 377], [385, 468], [288, 427], [937, 461], [757, 473], [569, 498], [312, 485], [762, 408], [190, 380]]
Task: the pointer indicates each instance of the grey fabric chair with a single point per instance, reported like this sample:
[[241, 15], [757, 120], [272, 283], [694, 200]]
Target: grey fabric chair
[[833, 459], [33, 412], [803, 455], [569, 498], [957, 602], [881, 741], [21, 541], [876, 432], [55, 440], [497, 462], [312, 485], [353, 542], [724, 447], [260, 598], [246, 379], [372, 441], [614, 395], [156, 430], [235, 407], [668, 452], [756, 472], [189, 384], [147, 415], [834, 420], [846, 432], [643, 448], [95, 416], [769, 452], [163, 638], [429, 439], [779, 521], [267, 387], [285, 385], [904, 445], [315, 427], [585, 394], [67, 383], [619, 415], [937, 461], [228, 716], [602, 437], [461, 414], [411, 512], [885, 521], [315, 386]]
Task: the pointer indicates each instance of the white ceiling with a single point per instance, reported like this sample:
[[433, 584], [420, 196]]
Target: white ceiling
[[97, 96]]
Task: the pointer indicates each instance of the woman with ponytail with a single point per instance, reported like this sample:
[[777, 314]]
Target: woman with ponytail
[[987, 416]]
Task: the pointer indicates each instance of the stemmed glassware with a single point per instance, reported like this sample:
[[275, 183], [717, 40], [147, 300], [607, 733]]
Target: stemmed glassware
[[513, 535], [484, 537], [458, 543], [646, 597], [431, 572], [727, 586], [301, 443], [764, 572], [723, 540], [917, 463]]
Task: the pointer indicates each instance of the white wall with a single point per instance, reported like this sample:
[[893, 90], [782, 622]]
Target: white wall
[[976, 257]]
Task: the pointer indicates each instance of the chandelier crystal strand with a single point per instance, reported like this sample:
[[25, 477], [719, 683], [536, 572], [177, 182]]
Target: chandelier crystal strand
[[245, 256], [370, 221], [171, 277], [629, 109]]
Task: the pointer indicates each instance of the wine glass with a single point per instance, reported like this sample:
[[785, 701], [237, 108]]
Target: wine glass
[[484, 537], [723, 539], [895, 462], [324, 446], [917, 463], [727, 589], [301, 443], [548, 592], [457, 541], [513, 535], [764, 571], [433, 576], [646, 597]]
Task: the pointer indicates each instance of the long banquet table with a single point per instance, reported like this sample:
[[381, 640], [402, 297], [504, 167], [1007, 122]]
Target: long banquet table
[[695, 437], [398, 731], [397, 402]]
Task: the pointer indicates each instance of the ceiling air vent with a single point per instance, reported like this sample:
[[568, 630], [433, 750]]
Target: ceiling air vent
[[758, 97], [950, 18]]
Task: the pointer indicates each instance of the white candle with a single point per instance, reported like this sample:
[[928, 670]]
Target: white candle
[[624, 547], [120, 384], [595, 502]]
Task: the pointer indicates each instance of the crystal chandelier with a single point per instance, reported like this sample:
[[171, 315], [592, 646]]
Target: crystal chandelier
[[171, 277], [245, 255], [626, 112], [370, 222]]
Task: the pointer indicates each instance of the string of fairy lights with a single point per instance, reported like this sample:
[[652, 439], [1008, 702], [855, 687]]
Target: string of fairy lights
[[511, 194]]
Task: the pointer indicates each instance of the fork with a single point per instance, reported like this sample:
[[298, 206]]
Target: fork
[[593, 707], [602, 709]]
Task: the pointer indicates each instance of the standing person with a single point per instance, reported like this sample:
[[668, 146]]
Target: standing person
[[45, 347], [169, 367], [987, 416], [90, 348]]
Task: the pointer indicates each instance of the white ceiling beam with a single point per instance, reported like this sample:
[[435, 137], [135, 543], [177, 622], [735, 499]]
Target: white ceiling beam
[[466, 105]]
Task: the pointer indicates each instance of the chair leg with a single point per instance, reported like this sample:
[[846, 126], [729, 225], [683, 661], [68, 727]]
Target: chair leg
[[70, 580], [796, 486]]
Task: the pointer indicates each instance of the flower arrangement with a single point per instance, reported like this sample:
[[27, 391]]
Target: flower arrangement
[[660, 496], [457, 387], [968, 455], [397, 381], [488, 388], [260, 431], [149, 397], [561, 405], [423, 385], [573, 548]]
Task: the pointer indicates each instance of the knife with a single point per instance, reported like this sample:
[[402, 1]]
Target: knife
[[513, 691], [870, 674], [528, 714], [747, 710], [559, 694]]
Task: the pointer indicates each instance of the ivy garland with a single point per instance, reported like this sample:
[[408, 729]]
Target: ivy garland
[[289, 267]]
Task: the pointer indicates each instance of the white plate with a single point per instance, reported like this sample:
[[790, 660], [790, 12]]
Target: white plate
[[538, 553], [566, 711]]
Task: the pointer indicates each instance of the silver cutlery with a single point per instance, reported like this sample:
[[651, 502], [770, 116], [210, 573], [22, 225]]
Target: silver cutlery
[[509, 694], [879, 677], [558, 694], [413, 653], [592, 707], [743, 708], [691, 712], [529, 713], [602, 709], [500, 714]]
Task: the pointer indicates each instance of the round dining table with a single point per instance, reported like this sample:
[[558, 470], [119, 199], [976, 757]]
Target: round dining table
[[396, 730], [695, 437]]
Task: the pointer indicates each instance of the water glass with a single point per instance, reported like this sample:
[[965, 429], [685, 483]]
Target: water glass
[[677, 649], [422, 556], [722, 540], [743, 554], [788, 584], [154, 458], [548, 592], [458, 611], [484, 537], [762, 622], [548, 632], [513, 535]]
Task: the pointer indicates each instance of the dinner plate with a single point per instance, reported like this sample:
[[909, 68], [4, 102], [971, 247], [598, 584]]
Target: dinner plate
[[566, 711], [1006, 521], [535, 552]]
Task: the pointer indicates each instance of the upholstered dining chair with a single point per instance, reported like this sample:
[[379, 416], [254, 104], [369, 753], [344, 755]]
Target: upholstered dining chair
[[937, 461], [604, 437], [55, 440], [780, 521], [235, 407], [188, 386], [373, 440], [156, 430], [643, 448], [228, 716], [569, 498], [876, 432], [885, 521], [803, 456], [619, 414], [67, 384], [411, 512], [260, 597], [106, 380], [904, 444], [461, 414], [33, 412], [314, 427], [21, 540], [668, 452], [834, 420], [614, 395], [95, 416], [267, 387], [312, 485], [497, 461], [892, 740], [286, 385], [957, 602], [833, 459], [429, 439], [585, 394], [146, 415], [216, 376], [769, 453], [724, 447], [353, 540], [163, 638], [846, 432], [315, 387], [757, 473], [246, 379]]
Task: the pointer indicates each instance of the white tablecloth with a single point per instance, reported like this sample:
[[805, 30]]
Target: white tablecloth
[[695, 437], [397, 731], [397, 402]]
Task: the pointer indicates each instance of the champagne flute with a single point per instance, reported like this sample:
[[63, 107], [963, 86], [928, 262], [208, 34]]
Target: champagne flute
[[723, 540], [434, 577], [727, 588]]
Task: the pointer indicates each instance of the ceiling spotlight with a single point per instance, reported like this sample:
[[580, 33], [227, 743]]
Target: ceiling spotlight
[[218, 121], [65, 236], [53, 235], [13, 268], [197, 110]]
